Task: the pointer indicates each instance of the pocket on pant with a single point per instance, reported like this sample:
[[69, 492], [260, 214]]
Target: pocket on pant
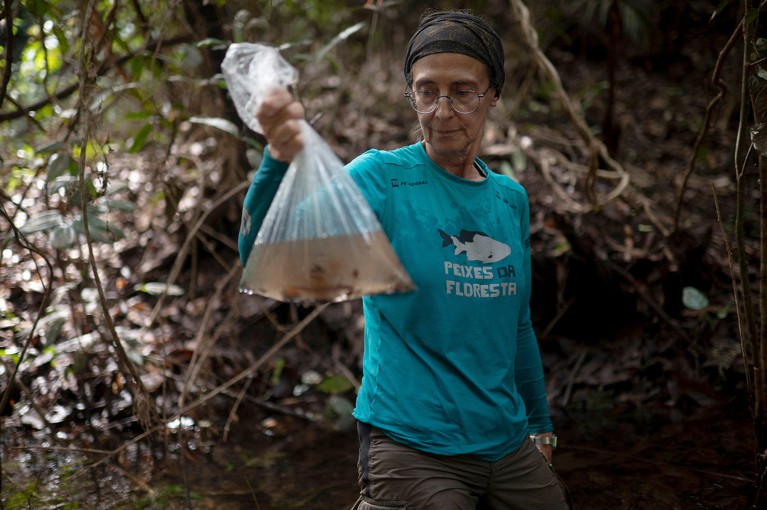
[[372, 504]]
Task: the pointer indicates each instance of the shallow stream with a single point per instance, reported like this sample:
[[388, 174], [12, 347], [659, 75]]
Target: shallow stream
[[610, 459]]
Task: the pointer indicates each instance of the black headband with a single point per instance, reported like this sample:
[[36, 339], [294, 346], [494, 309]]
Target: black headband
[[457, 32]]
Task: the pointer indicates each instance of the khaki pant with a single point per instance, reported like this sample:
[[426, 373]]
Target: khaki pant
[[393, 476]]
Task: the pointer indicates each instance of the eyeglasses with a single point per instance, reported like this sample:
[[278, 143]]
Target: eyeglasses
[[426, 101]]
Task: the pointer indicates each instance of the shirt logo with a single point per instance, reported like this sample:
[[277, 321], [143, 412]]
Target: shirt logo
[[477, 246], [396, 183]]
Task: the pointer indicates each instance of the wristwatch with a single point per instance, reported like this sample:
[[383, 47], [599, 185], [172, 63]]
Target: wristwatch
[[541, 440]]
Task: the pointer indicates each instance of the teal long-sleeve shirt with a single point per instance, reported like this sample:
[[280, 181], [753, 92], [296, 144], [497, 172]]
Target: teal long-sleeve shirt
[[454, 366]]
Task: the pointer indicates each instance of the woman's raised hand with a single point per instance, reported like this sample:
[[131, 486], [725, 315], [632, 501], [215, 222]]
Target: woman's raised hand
[[279, 115]]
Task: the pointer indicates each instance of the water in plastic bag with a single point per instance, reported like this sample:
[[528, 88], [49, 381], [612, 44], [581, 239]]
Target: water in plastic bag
[[320, 241]]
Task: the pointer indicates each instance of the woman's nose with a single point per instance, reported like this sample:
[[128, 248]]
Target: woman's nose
[[444, 108]]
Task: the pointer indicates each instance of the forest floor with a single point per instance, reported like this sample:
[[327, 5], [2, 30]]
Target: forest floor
[[635, 459]]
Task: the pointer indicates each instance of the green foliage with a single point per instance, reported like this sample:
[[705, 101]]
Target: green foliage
[[224, 125], [635, 16], [163, 497], [566, 19], [61, 229], [694, 299], [33, 494], [19, 498], [338, 413], [335, 385], [160, 288], [279, 366]]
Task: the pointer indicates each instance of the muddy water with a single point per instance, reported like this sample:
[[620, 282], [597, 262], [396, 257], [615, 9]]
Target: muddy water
[[314, 468], [40, 474], [611, 459], [657, 458], [325, 269]]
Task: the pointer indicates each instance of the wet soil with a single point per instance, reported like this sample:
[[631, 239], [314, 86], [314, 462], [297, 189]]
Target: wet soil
[[637, 459], [616, 457], [610, 460], [314, 468]]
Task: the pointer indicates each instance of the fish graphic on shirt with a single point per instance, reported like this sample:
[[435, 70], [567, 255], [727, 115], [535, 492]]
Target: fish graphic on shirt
[[476, 246]]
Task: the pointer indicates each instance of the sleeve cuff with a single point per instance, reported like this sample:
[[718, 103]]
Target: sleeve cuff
[[271, 162]]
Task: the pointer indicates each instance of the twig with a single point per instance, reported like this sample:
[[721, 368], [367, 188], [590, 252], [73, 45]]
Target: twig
[[760, 485], [763, 270], [27, 392], [40, 312], [249, 372], [145, 410], [242, 395], [553, 322], [182, 252], [650, 301], [760, 377], [141, 484], [571, 377], [8, 11], [253, 493], [237, 401], [66, 449], [522, 90], [347, 373], [595, 146], [74, 87], [718, 82], [728, 249], [47, 289], [202, 348], [564, 197], [646, 204]]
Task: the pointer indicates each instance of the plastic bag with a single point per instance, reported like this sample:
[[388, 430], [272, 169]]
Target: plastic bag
[[320, 241], [252, 70]]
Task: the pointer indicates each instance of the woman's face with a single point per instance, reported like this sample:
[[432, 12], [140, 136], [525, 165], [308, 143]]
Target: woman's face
[[449, 135]]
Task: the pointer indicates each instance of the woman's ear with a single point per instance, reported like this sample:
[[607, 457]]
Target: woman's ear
[[496, 96]]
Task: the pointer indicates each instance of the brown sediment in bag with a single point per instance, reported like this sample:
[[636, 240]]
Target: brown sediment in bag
[[327, 269]]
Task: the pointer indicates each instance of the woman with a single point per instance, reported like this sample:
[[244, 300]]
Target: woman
[[452, 412]]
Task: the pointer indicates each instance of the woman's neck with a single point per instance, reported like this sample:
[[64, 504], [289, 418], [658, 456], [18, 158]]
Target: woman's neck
[[461, 165]]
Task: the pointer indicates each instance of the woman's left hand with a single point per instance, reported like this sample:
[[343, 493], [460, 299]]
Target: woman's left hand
[[546, 449]]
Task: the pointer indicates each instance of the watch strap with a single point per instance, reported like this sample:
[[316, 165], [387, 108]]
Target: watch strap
[[542, 440]]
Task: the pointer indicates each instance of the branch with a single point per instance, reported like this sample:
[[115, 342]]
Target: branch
[[245, 374], [8, 9], [203, 346], [738, 311], [145, 411], [762, 264], [40, 312], [722, 86], [21, 239], [740, 234], [595, 146], [70, 89], [182, 253]]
